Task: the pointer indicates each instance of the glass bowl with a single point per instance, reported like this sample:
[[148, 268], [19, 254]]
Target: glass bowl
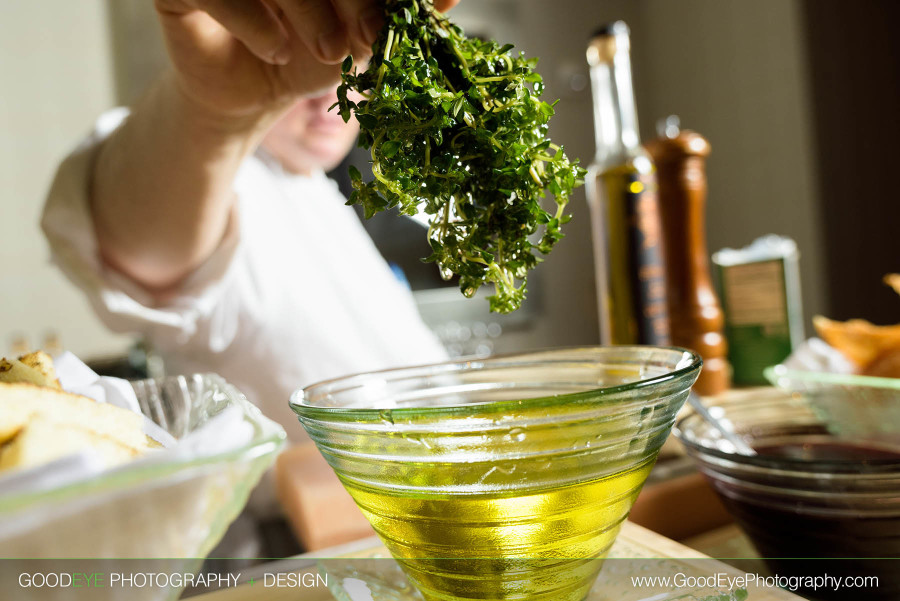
[[860, 408], [812, 501], [169, 510], [501, 478]]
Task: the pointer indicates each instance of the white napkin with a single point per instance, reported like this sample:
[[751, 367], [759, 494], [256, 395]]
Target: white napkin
[[74, 376], [816, 355]]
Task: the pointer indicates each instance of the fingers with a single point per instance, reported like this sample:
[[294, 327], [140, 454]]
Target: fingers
[[329, 29], [320, 28], [254, 24], [363, 20]]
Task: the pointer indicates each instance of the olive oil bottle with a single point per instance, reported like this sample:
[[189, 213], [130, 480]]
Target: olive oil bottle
[[621, 189]]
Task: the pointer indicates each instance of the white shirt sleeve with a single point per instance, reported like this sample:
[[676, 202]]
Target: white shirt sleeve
[[120, 302]]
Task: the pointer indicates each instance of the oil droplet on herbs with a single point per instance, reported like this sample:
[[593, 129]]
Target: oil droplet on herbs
[[469, 292], [446, 273], [517, 434]]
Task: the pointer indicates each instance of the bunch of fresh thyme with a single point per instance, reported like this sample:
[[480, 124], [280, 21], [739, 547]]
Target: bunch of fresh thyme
[[456, 129]]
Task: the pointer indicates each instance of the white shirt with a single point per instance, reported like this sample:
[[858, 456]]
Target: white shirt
[[295, 293]]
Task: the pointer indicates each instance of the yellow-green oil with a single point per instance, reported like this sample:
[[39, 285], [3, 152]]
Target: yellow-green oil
[[534, 545], [636, 291]]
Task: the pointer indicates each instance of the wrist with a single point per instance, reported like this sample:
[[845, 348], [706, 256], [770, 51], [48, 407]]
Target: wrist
[[246, 126]]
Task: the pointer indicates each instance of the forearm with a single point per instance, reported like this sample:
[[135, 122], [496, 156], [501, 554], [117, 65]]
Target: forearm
[[161, 192]]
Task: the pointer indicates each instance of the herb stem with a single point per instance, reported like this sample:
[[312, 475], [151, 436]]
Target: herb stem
[[389, 45], [493, 78]]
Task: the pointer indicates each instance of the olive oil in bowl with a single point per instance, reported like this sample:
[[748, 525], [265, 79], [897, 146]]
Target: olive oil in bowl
[[504, 546], [505, 478]]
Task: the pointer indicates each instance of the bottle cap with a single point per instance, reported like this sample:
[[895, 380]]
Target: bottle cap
[[606, 41], [611, 29], [674, 143]]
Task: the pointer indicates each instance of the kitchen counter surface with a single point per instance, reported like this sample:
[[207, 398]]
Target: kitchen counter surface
[[634, 543]]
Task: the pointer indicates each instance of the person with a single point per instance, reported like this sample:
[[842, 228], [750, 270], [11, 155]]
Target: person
[[202, 220]]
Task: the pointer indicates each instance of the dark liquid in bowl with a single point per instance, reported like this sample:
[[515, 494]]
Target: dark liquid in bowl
[[790, 533], [828, 451]]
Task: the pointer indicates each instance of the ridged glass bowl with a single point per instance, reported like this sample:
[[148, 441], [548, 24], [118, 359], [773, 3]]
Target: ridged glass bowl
[[174, 506], [502, 478], [814, 501]]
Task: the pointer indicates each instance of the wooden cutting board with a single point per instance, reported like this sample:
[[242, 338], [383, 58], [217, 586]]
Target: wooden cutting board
[[633, 542]]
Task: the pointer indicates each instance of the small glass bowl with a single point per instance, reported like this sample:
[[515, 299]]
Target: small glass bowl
[[859, 408], [169, 510], [501, 478], [175, 505], [812, 502]]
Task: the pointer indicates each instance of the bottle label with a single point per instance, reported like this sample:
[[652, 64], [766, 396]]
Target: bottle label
[[757, 319], [648, 277]]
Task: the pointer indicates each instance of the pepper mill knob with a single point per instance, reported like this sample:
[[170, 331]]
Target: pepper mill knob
[[696, 315]]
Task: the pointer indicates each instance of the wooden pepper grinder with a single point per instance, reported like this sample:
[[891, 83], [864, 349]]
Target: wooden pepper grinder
[[695, 313]]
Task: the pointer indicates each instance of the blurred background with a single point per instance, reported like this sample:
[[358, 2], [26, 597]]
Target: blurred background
[[798, 99]]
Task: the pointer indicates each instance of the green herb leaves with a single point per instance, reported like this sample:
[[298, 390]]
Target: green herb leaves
[[456, 129]]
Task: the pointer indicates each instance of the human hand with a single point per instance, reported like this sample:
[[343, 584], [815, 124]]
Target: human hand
[[248, 58]]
